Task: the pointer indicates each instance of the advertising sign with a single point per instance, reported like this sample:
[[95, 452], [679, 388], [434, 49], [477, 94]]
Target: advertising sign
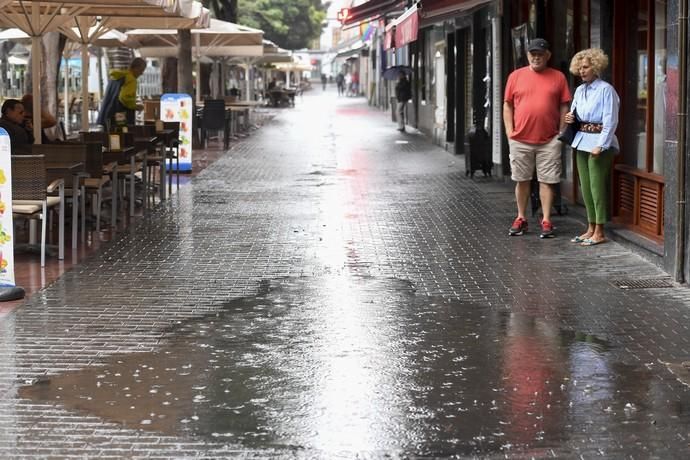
[[178, 107], [6, 228]]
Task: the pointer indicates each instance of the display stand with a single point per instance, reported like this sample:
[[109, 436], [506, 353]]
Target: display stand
[[8, 289]]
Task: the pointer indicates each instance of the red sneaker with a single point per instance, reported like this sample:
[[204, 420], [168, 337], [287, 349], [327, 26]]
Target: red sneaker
[[547, 229], [518, 228]]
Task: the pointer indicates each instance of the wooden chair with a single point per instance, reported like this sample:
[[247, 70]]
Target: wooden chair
[[152, 110], [154, 158], [172, 153], [98, 178], [212, 119], [95, 177], [68, 154], [123, 170], [30, 199]]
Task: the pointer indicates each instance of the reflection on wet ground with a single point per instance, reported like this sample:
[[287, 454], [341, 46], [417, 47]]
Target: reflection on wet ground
[[342, 365]]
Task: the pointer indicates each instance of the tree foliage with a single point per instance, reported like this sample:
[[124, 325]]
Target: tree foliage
[[291, 24]]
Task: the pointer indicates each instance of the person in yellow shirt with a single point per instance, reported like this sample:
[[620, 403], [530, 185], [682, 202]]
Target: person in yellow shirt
[[127, 97]]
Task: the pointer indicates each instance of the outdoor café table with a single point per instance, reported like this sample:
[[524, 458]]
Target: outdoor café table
[[291, 96], [278, 97], [120, 156], [235, 110], [58, 169]]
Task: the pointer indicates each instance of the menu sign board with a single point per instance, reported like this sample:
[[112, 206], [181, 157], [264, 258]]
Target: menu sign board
[[178, 107], [6, 227]]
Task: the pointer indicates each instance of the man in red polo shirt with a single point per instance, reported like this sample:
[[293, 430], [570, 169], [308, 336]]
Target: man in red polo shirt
[[536, 100]]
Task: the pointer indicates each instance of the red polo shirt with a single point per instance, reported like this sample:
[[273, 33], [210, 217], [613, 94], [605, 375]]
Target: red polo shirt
[[536, 99]]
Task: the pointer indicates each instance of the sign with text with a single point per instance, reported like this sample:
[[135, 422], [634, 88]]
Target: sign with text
[[178, 107], [6, 227]]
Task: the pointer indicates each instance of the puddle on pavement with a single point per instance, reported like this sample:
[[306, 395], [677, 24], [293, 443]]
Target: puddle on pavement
[[348, 364]]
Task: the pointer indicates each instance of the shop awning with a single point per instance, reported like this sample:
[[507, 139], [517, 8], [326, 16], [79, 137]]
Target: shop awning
[[402, 30], [434, 10], [372, 9], [406, 27], [354, 49]]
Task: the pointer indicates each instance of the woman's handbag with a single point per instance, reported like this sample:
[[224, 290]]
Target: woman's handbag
[[570, 130]]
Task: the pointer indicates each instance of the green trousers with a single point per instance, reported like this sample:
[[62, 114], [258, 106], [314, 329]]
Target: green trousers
[[594, 182]]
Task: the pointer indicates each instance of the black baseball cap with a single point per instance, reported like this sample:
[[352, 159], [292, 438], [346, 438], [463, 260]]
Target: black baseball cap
[[538, 44]]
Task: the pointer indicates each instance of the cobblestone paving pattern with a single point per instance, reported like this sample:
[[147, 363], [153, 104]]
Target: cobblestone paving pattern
[[519, 347]]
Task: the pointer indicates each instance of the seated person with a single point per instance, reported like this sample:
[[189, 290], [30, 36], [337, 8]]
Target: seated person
[[272, 84], [19, 129], [47, 120]]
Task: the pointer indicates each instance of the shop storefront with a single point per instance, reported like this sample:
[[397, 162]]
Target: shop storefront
[[456, 60], [646, 87]]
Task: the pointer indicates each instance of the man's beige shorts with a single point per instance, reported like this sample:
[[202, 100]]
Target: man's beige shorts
[[545, 157]]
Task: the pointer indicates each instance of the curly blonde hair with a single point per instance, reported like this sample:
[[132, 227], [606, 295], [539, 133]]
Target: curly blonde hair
[[596, 57]]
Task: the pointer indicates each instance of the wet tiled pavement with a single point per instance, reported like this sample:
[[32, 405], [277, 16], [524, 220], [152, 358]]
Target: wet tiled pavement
[[333, 288]]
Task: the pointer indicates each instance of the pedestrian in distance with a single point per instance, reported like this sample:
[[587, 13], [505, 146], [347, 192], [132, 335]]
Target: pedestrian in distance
[[355, 83], [340, 83], [403, 93], [534, 107], [348, 84], [595, 107], [324, 81]]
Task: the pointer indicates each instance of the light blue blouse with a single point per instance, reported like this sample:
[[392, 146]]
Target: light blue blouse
[[596, 102]]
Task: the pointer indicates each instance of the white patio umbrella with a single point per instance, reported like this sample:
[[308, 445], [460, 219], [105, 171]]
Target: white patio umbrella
[[36, 17], [107, 39], [79, 30], [220, 39], [14, 60], [294, 66], [274, 54], [15, 34], [98, 36]]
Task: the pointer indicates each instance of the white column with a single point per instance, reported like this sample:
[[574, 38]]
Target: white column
[[197, 87], [66, 96], [197, 48], [248, 83], [36, 84], [84, 86], [223, 77], [497, 131]]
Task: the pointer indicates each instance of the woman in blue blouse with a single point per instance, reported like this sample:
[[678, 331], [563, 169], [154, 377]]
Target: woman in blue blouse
[[596, 104]]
